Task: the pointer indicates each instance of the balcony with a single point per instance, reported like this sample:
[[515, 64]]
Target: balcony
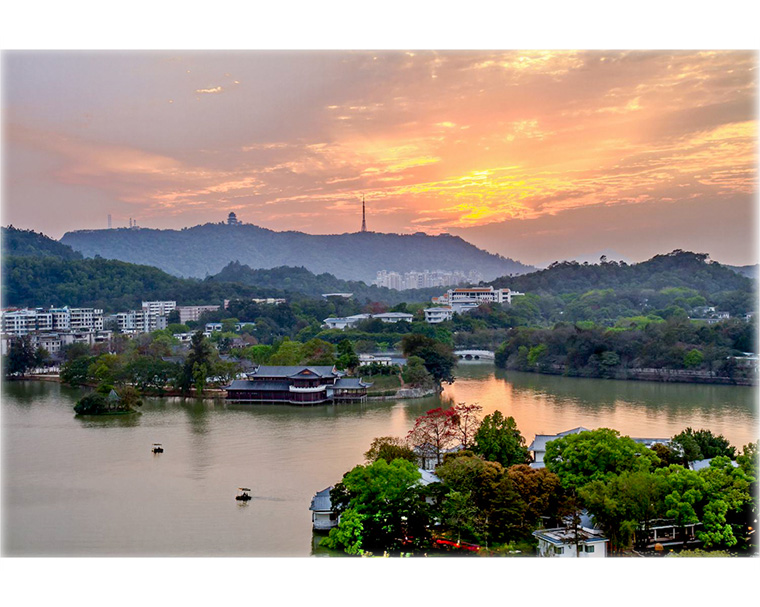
[[308, 390]]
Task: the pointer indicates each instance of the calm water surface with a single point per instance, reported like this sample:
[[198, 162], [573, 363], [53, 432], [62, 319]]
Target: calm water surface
[[76, 487]]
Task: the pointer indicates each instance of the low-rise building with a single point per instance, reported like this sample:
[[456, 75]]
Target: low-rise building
[[476, 295], [297, 385], [564, 542], [345, 322]]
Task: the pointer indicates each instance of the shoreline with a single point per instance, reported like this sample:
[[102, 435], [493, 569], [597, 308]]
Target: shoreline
[[217, 394], [663, 376]]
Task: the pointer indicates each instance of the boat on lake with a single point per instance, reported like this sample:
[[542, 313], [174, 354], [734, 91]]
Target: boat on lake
[[244, 495]]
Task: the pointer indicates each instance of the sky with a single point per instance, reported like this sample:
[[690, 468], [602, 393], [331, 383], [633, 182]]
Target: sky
[[535, 155]]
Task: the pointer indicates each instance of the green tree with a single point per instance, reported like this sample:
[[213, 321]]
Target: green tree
[[497, 504], [499, 440], [388, 506], [439, 358], [540, 494], [702, 444], [623, 503], [197, 364], [389, 448], [21, 356], [595, 455]]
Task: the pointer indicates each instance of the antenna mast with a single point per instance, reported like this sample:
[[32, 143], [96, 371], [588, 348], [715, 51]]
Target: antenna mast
[[364, 216]]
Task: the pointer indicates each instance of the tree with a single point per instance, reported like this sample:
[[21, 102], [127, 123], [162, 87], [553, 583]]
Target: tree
[[702, 444], [197, 364], [468, 423], [490, 491], [387, 506], [499, 440], [347, 358], [593, 455], [439, 358], [389, 448], [623, 503], [434, 432], [416, 375], [21, 356], [540, 492]]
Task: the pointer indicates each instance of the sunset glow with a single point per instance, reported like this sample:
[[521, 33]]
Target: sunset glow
[[501, 148]]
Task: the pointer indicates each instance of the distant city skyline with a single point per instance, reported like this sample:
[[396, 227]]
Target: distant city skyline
[[535, 155]]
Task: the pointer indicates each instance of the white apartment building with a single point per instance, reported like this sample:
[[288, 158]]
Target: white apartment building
[[140, 321], [159, 308], [83, 319], [187, 313], [26, 321]]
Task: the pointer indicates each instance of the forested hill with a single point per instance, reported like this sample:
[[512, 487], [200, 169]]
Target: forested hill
[[751, 271], [302, 281], [28, 243], [679, 269], [206, 249]]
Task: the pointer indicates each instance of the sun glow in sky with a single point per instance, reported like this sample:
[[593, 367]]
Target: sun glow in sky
[[536, 155]]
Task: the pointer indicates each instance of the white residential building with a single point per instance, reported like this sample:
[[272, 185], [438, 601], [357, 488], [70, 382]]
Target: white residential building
[[440, 314], [393, 317], [345, 321], [187, 313], [158, 308], [352, 321], [82, 319], [564, 543], [26, 321], [476, 295]]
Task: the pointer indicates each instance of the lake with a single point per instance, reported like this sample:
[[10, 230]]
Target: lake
[[92, 487]]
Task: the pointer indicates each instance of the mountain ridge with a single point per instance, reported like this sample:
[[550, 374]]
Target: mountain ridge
[[204, 250]]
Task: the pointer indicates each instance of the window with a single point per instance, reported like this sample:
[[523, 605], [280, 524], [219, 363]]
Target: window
[[558, 550], [588, 548]]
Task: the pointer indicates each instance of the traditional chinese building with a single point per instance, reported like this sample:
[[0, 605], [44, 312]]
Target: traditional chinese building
[[297, 385]]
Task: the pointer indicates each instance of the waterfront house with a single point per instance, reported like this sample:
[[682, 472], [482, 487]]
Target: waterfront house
[[297, 385], [323, 518], [564, 542]]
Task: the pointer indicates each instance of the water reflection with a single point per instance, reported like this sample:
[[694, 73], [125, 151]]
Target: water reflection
[[109, 495]]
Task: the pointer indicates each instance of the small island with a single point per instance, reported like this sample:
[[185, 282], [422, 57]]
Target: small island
[[98, 403]]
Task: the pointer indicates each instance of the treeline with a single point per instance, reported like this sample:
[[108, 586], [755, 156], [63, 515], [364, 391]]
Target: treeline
[[679, 268], [487, 498], [107, 284], [588, 350], [300, 280], [28, 243]]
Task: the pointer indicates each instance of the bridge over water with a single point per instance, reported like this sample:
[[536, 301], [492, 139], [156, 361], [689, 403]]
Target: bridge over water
[[474, 354]]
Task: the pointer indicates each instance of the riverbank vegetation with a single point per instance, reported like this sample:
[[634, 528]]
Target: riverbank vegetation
[[486, 499], [590, 350]]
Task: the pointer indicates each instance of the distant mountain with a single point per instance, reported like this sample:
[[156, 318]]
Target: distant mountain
[[751, 271], [300, 280], [676, 269], [28, 243], [206, 249]]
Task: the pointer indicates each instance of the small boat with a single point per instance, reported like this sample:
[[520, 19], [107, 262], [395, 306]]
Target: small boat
[[244, 496], [157, 448]]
